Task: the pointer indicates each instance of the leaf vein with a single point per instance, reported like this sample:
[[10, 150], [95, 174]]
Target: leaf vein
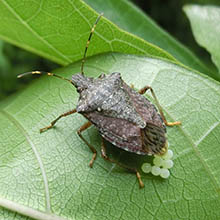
[[35, 33], [37, 155]]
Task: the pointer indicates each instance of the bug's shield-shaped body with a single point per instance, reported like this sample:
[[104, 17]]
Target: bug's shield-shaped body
[[123, 116]]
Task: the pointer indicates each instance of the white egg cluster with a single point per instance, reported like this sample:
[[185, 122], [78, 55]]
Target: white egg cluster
[[161, 165]]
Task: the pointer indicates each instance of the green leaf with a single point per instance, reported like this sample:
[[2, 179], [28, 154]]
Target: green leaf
[[205, 26], [49, 172], [59, 31], [128, 17]]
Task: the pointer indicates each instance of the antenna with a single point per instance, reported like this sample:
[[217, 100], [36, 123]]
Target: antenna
[[42, 72], [88, 41], [83, 60]]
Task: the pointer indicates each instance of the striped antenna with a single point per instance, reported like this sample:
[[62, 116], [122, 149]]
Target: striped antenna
[[42, 72], [88, 41], [83, 60]]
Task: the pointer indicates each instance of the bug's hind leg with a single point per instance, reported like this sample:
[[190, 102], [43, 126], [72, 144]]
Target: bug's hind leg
[[143, 90], [104, 155], [59, 117], [81, 129]]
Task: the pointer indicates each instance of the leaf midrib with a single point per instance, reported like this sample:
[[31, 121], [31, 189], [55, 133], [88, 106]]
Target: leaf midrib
[[27, 211], [37, 155]]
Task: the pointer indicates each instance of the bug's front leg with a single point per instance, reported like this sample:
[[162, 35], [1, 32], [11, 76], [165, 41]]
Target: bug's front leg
[[59, 117], [104, 155], [81, 129], [143, 90]]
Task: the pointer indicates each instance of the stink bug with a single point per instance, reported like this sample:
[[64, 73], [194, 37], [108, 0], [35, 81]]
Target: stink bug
[[122, 115]]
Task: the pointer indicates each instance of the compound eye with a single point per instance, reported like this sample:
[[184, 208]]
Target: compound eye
[[79, 89], [102, 76]]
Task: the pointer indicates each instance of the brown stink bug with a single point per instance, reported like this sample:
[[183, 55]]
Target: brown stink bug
[[122, 115]]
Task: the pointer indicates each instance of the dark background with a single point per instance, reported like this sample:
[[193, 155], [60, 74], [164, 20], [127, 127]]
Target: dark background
[[14, 60]]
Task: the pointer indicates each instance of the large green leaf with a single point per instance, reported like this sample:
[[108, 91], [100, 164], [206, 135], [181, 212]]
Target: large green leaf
[[205, 26], [127, 16], [49, 172], [59, 30]]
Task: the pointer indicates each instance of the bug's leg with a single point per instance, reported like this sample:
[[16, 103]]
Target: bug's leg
[[54, 121], [104, 155], [143, 90], [81, 129]]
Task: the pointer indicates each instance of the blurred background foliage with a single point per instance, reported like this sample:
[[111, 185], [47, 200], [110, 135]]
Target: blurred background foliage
[[176, 23], [13, 61], [167, 13]]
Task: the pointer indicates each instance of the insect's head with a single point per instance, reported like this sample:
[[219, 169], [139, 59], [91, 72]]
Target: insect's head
[[81, 82], [95, 91]]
